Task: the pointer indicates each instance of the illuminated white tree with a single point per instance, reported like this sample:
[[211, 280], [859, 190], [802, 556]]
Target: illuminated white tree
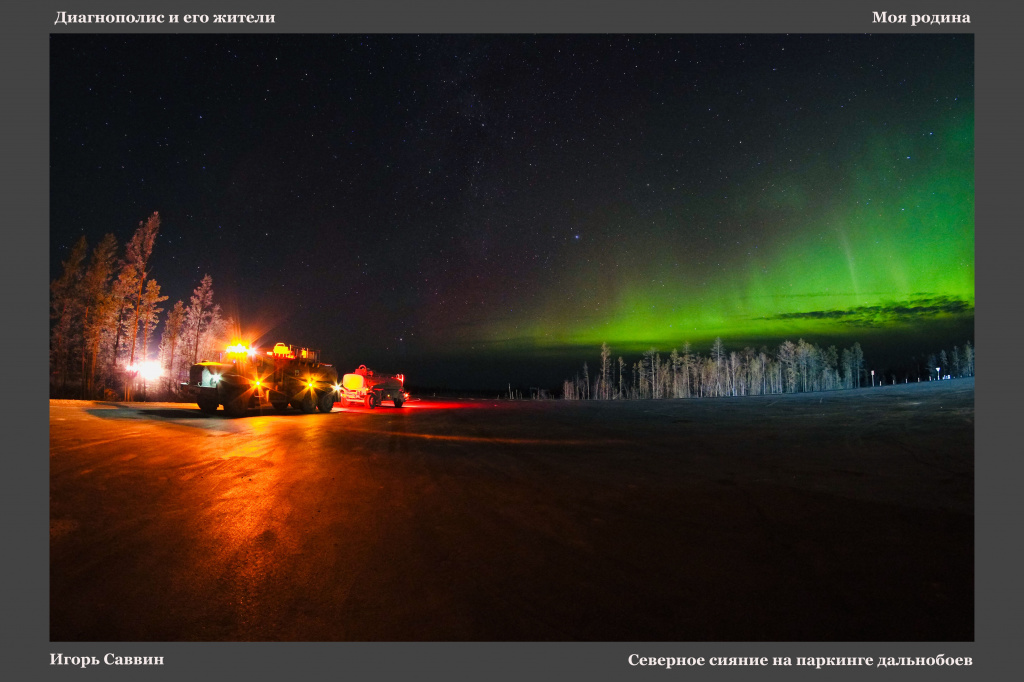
[[604, 392], [137, 254], [718, 358], [968, 359], [170, 342], [100, 307], [65, 313], [199, 315]]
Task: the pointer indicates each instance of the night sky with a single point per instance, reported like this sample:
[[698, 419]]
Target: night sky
[[479, 210]]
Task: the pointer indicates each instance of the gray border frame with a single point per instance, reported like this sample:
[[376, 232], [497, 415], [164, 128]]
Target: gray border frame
[[26, 31]]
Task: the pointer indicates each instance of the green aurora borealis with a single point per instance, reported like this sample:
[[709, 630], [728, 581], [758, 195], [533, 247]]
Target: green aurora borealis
[[874, 237]]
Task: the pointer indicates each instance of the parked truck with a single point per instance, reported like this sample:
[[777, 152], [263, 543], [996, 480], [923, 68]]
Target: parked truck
[[244, 377], [371, 389]]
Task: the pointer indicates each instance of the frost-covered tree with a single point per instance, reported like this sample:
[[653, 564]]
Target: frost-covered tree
[[762, 366], [791, 368], [648, 371], [676, 363], [122, 291], [711, 378], [199, 315], [137, 254], [802, 362], [858, 363], [99, 307], [170, 343], [830, 368], [660, 377], [847, 368], [65, 314], [600, 379], [787, 360], [568, 390], [149, 314], [687, 367], [718, 358], [622, 368]]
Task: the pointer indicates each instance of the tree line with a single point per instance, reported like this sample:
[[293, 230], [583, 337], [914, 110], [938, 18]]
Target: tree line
[[791, 368], [105, 308]]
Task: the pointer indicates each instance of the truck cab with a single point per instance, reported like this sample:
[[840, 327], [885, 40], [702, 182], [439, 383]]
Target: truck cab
[[243, 377]]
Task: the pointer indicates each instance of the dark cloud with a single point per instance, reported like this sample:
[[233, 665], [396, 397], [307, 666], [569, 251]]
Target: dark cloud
[[902, 312]]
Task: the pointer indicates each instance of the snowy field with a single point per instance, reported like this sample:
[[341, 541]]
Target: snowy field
[[828, 516]]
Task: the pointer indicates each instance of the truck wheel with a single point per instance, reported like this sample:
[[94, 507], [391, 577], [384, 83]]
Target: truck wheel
[[371, 402], [208, 406], [307, 403], [237, 406], [326, 402], [399, 402]]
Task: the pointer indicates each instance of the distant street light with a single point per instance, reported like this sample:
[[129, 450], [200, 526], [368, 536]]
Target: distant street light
[[938, 376], [872, 378]]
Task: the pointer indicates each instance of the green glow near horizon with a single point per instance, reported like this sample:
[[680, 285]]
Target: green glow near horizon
[[892, 231]]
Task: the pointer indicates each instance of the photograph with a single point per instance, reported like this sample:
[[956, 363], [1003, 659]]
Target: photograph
[[469, 337]]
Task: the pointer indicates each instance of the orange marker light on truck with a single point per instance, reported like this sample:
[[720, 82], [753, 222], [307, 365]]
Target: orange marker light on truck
[[282, 350]]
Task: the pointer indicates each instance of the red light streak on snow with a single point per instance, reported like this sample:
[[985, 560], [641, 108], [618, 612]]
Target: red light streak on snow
[[473, 439], [414, 404]]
